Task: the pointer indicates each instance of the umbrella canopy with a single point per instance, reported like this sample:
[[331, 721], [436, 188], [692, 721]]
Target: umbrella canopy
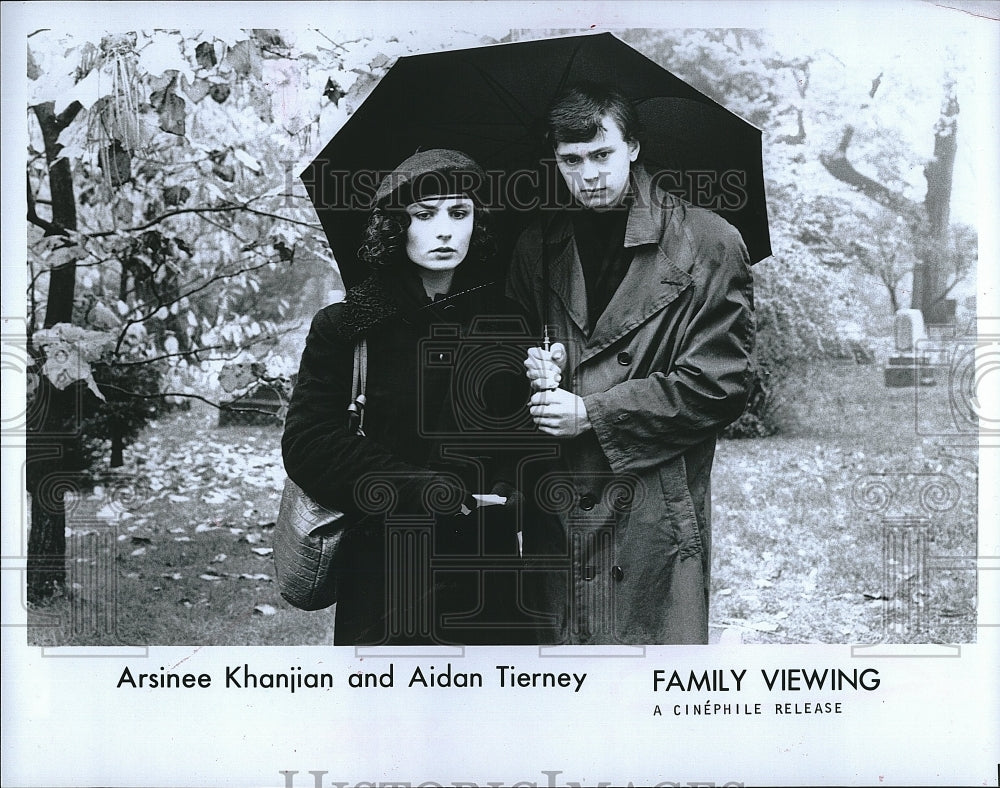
[[490, 102]]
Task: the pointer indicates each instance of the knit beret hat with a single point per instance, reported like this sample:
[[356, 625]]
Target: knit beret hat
[[438, 171]]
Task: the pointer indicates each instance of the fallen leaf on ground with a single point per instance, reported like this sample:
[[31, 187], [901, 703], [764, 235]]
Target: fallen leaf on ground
[[265, 610], [763, 626]]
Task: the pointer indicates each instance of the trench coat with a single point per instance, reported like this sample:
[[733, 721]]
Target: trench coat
[[666, 367], [446, 400]]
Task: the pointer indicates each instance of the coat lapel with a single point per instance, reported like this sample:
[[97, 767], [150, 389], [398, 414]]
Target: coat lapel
[[653, 280], [566, 273]]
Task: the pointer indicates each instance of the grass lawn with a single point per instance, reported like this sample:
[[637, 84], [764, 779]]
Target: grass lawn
[[178, 551], [800, 518]]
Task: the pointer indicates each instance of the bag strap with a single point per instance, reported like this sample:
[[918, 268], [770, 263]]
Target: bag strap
[[356, 409]]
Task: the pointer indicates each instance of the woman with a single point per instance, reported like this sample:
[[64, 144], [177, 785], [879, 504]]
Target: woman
[[444, 395]]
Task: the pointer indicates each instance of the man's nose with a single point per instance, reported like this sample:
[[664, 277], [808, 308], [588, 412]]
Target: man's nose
[[591, 172]]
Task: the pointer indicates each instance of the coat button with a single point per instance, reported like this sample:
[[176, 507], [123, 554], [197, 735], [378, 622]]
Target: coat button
[[587, 502], [617, 573], [624, 358]]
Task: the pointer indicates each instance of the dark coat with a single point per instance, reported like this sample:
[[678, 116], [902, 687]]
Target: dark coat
[[665, 368], [446, 410]]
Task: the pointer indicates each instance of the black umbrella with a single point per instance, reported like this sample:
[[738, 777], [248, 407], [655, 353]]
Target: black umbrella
[[490, 102]]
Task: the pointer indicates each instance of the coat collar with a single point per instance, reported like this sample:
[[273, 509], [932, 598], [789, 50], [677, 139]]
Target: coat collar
[[386, 295], [653, 279]]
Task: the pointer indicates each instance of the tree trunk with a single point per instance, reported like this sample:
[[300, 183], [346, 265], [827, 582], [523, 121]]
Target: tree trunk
[[928, 222], [930, 280], [46, 477], [117, 444], [56, 425]]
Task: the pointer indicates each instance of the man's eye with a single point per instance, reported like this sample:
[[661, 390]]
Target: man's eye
[[572, 161], [602, 155]]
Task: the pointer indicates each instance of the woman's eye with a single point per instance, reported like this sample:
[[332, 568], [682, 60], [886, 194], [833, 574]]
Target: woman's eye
[[422, 215], [460, 214]]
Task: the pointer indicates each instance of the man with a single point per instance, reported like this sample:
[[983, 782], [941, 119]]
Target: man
[[651, 302]]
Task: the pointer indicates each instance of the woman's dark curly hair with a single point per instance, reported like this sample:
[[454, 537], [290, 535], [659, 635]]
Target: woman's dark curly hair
[[383, 243]]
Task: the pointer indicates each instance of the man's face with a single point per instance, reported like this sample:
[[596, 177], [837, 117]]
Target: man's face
[[597, 171]]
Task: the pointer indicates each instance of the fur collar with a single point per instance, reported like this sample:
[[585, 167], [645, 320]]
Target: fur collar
[[374, 301], [366, 305]]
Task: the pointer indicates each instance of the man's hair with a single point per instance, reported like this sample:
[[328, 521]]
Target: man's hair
[[578, 111], [383, 243]]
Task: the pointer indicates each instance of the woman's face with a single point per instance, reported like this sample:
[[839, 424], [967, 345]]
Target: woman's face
[[440, 231]]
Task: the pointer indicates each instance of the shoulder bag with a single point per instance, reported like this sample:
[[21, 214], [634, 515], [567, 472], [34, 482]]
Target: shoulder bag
[[307, 536]]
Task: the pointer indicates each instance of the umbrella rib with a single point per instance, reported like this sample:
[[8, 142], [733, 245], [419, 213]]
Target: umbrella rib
[[508, 99], [511, 101], [566, 71]]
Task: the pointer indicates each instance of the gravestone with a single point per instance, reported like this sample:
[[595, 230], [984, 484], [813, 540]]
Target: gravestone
[[908, 367]]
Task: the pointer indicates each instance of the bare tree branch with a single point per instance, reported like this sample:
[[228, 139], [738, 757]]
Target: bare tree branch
[[165, 394], [840, 167], [229, 207], [180, 296], [34, 218]]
